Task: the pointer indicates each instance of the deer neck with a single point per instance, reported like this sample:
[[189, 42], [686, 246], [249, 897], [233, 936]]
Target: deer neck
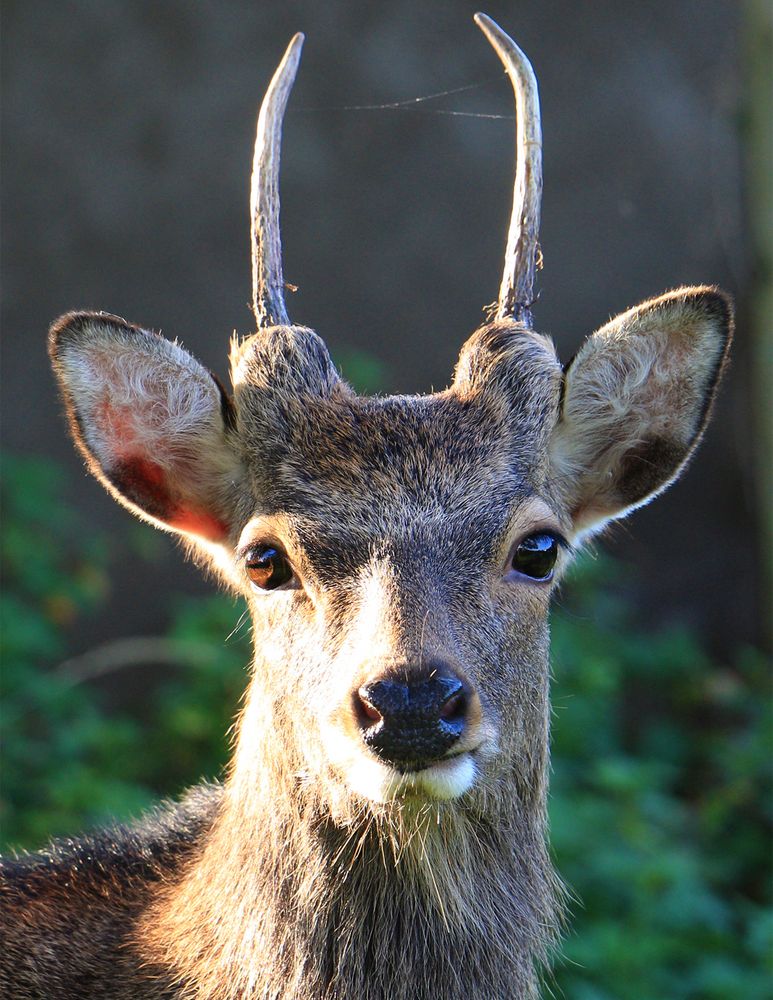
[[424, 899]]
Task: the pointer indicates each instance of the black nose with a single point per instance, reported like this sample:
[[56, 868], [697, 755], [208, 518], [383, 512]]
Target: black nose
[[412, 723]]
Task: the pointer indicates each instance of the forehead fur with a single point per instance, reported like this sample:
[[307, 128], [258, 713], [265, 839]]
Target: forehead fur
[[316, 449], [440, 454]]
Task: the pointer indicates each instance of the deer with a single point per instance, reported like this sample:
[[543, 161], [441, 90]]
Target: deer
[[381, 829]]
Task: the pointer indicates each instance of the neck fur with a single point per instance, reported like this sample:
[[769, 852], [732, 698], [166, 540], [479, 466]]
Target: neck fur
[[406, 901]]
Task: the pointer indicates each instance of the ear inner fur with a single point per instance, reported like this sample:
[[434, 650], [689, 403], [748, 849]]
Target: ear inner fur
[[150, 421], [636, 399]]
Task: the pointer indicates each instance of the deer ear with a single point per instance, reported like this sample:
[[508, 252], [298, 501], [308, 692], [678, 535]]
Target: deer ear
[[637, 397], [152, 423]]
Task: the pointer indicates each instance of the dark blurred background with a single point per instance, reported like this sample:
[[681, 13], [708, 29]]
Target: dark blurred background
[[126, 153]]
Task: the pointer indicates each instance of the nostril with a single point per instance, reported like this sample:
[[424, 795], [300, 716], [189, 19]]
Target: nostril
[[367, 713], [454, 708]]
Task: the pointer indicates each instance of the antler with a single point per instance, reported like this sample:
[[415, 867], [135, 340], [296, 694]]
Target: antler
[[267, 282], [516, 292]]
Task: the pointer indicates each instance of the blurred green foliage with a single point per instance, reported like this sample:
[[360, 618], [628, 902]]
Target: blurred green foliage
[[662, 759], [69, 760], [363, 371], [660, 805]]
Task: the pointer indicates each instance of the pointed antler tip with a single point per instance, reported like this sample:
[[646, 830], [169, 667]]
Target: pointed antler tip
[[296, 41], [292, 54], [517, 289], [267, 281], [487, 25]]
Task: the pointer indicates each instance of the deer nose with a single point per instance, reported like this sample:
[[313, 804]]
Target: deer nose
[[412, 723]]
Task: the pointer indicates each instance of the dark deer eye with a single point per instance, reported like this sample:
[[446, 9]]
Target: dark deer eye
[[268, 567], [536, 555]]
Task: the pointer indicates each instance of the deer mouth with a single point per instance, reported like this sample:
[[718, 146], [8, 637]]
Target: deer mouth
[[415, 767], [445, 779], [441, 780], [369, 776]]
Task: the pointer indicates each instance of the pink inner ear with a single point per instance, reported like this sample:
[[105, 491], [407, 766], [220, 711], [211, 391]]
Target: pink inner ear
[[115, 424], [147, 485], [200, 523]]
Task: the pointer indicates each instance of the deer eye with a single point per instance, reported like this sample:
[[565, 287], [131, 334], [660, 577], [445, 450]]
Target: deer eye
[[268, 567], [536, 555]]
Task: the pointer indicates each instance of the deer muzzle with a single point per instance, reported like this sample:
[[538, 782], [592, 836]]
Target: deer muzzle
[[411, 723]]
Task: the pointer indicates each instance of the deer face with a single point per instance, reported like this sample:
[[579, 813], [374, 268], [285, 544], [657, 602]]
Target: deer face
[[398, 553], [381, 557]]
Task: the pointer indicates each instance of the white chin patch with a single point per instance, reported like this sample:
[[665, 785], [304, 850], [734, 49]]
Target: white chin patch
[[381, 783]]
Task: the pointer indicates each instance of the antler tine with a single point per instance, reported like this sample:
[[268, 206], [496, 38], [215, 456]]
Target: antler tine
[[267, 282], [516, 292]]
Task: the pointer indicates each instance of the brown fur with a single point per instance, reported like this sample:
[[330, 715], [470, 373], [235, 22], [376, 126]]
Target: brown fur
[[317, 872]]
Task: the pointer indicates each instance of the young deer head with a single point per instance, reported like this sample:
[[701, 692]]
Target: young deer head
[[382, 828]]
